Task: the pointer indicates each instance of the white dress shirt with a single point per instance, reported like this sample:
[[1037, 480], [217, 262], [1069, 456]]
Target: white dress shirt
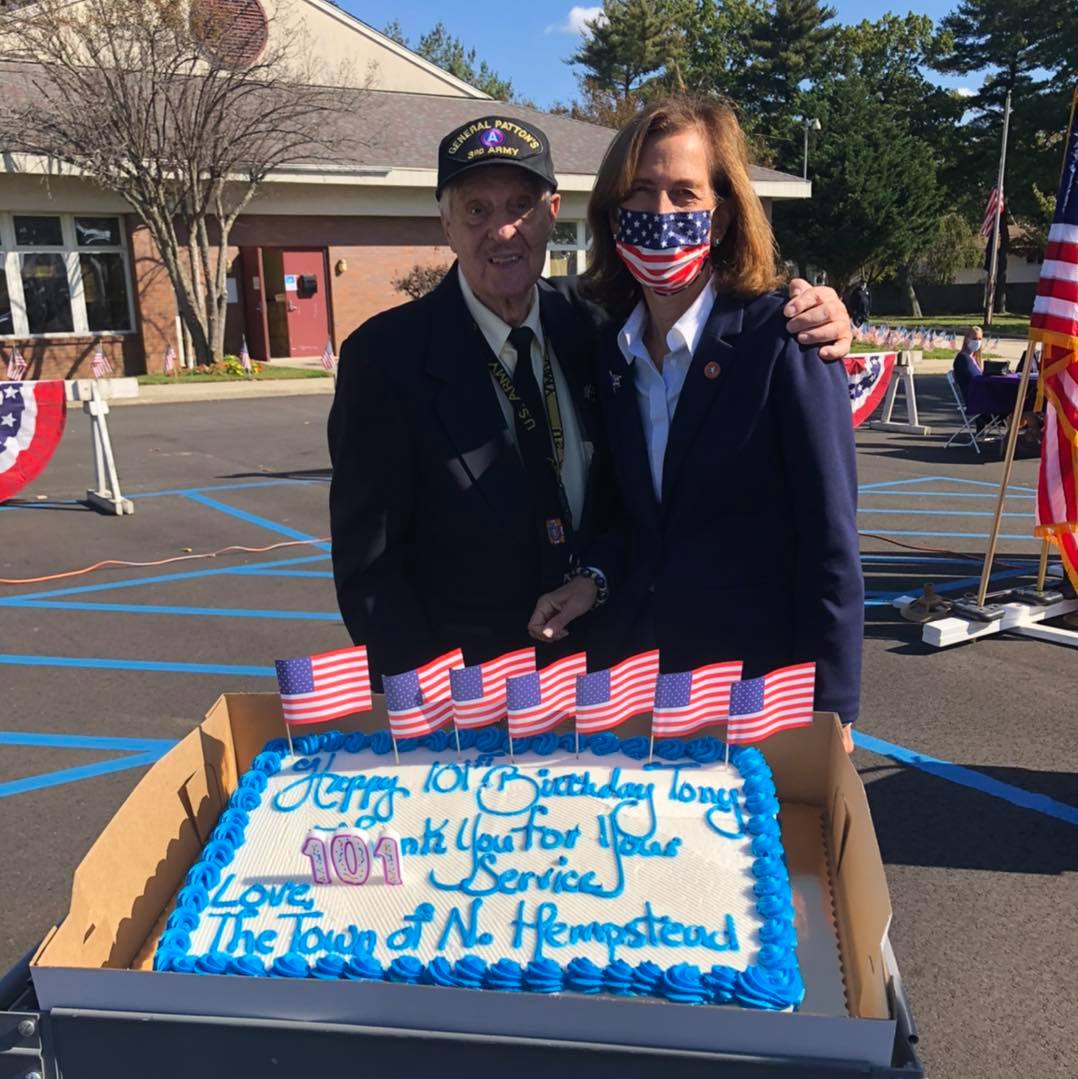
[[574, 468], [657, 392]]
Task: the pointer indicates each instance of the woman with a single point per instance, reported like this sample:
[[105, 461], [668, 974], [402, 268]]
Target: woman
[[967, 364], [736, 536]]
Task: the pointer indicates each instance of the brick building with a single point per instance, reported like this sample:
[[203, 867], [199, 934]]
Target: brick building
[[317, 250]]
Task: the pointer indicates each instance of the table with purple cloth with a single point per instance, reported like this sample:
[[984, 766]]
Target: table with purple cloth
[[995, 394]]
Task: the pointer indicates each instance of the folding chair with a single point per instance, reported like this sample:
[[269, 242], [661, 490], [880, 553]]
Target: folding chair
[[994, 427]]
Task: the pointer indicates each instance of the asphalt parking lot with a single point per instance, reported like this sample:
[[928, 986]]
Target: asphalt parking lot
[[102, 673]]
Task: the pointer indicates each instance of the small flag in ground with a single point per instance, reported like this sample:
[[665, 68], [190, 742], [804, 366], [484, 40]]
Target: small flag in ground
[[315, 689], [100, 365], [329, 362], [420, 702], [538, 702], [689, 700], [16, 366], [245, 356], [479, 691], [604, 699], [170, 359], [781, 699], [995, 207]]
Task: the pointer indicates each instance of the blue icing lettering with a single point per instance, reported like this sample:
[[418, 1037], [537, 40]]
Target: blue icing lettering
[[366, 793], [409, 936]]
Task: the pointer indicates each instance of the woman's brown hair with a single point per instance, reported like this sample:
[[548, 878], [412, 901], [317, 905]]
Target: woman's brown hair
[[743, 262]]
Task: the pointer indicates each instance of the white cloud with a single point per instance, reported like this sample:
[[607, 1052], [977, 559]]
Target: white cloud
[[965, 91], [577, 20]]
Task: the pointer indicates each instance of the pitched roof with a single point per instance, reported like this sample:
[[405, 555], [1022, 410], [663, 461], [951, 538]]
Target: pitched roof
[[403, 131]]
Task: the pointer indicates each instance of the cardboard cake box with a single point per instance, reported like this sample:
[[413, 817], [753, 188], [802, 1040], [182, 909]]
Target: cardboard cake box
[[100, 955]]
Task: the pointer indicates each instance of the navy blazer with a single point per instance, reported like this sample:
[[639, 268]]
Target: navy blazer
[[965, 369], [753, 551], [434, 545]]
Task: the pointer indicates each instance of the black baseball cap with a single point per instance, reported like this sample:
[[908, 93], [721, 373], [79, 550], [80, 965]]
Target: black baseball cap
[[494, 140]]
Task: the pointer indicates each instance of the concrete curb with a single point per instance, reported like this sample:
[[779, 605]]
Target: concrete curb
[[228, 391]]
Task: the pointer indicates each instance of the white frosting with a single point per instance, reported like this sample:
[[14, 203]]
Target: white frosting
[[266, 903]]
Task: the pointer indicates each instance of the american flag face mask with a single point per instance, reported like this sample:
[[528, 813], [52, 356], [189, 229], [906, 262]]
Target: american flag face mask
[[664, 252]]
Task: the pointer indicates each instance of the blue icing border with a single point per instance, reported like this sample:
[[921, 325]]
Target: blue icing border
[[773, 983]]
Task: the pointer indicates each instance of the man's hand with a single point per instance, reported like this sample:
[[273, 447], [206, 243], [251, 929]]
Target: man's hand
[[555, 610], [818, 317]]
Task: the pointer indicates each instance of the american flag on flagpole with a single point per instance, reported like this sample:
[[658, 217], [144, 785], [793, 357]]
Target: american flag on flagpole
[[170, 359], [1054, 325], [329, 361], [479, 691], [687, 701], [315, 689], [538, 702], [420, 702], [995, 207], [100, 365], [245, 356], [16, 366], [605, 699], [760, 707]]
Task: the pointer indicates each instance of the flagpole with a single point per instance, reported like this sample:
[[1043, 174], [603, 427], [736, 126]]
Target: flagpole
[[393, 739], [991, 299], [456, 732], [511, 755], [1008, 463], [1042, 569], [288, 732]]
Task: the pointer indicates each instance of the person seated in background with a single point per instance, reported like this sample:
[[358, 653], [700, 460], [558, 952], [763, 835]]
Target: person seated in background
[[969, 365]]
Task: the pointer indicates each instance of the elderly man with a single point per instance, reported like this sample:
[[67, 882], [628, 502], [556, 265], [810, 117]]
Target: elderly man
[[468, 460]]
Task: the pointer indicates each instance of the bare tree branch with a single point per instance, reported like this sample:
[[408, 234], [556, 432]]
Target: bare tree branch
[[149, 99]]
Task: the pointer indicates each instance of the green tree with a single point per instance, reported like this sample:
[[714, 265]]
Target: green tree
[[789, 44], [876, 198], [635, 47], [446, 50], [952, 247]]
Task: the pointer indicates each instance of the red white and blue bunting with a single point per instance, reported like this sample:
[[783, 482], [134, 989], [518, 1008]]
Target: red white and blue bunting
[[867, 376], [32, 416]]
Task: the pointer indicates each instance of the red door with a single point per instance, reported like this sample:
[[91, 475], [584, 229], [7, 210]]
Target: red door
[[254, 295], [306, 303]]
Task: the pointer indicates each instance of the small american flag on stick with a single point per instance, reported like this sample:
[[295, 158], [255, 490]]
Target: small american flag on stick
[[605, 699], [538, 702], [329, 361], [170, 359], [420, 702], [16, 366], [315, 689], [689, 700], [245, 356], [479, 691], [100, 365], [763, 706]]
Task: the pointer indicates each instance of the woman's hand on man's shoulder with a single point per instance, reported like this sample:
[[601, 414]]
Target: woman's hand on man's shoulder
[[818, 317]]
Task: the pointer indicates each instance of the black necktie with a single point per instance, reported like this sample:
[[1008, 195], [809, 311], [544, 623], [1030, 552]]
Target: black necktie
[[536, 450]]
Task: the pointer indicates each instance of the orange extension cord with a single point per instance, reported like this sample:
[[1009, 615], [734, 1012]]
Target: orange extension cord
[[303, 543], [158, 562]]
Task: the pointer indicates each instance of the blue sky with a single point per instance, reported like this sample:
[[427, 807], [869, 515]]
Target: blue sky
[[528, 40]]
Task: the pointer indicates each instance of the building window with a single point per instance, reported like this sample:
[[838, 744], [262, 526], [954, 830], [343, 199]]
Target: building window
[[63, 274], [46, 293], [567, 250]]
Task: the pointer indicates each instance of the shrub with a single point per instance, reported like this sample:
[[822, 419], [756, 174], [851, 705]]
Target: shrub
[[420, 280]]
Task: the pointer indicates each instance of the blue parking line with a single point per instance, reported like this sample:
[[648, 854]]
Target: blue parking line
[[886, 599], [943, 494], [84, 741], [314, 573], [201, 612], [160, 578], [73, 775], [93, 663], [944, 535], [254, 519], [968, 777], [908, 512], [895, 483]]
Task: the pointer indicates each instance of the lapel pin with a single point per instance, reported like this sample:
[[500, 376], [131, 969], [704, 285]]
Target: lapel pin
[[615, 382], [712, 370]]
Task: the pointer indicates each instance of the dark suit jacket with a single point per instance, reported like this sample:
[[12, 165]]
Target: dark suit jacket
[[753, 552], [965, 369], [434, 545]]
